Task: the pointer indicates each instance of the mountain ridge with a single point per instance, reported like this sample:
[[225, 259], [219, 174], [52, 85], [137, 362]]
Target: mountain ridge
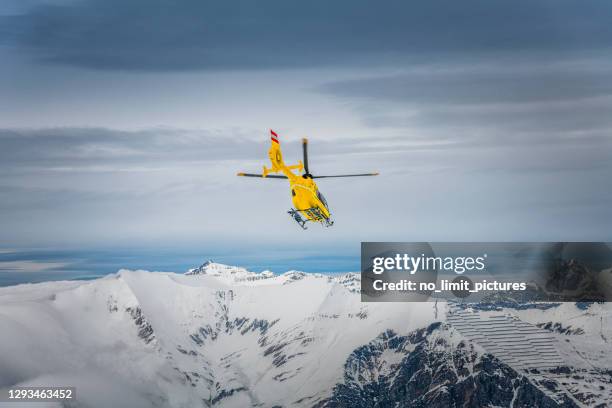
[[219, 339]]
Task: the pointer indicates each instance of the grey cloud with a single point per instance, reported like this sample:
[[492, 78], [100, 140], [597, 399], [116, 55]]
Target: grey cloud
[[66, 152], [159, 35], [103, 148], [100, 146], [474, 85], [559, 106], [424, 187], [535, 126]]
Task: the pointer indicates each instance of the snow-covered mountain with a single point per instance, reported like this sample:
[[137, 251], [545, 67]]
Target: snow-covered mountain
[[224, 336]]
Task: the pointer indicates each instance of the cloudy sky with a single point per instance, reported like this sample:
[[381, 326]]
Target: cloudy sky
[[124, 122]]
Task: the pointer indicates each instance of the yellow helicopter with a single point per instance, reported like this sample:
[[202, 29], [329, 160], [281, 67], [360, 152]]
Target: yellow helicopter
[[309, 203]]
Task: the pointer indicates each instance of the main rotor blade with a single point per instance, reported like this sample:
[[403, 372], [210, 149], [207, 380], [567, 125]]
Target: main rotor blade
[[274, 176], [305, 152], [348, 175]]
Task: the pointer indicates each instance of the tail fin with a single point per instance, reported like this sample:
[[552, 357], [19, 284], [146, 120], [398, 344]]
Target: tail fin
[[276, 159], [273, 136], [275, 155]]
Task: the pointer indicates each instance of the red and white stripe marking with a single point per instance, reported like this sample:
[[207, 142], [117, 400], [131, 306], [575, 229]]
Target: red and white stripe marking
[[273, 136]]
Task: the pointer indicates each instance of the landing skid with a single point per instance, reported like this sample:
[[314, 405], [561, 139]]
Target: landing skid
[[314, 213], [298, 218]]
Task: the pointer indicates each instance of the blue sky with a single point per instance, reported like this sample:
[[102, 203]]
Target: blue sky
[[40, 265], [122, 124]]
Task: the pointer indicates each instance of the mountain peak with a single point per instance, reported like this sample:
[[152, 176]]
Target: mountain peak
[[208, 262], [234, 273], [211, 267]]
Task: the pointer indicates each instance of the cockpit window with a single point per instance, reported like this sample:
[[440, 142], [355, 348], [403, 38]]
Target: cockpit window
[[320, 196]]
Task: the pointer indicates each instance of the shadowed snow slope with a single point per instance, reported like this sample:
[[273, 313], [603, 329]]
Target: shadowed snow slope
[[224, 336]]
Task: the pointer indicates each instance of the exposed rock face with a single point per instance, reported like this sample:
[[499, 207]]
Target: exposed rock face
[[433, 368], [145, 330]]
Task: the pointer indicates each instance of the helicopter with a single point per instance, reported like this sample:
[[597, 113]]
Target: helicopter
[[309, 204]]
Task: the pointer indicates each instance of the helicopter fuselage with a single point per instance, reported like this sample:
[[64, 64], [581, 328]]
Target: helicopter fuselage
[[308, 202], [305, 195]]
